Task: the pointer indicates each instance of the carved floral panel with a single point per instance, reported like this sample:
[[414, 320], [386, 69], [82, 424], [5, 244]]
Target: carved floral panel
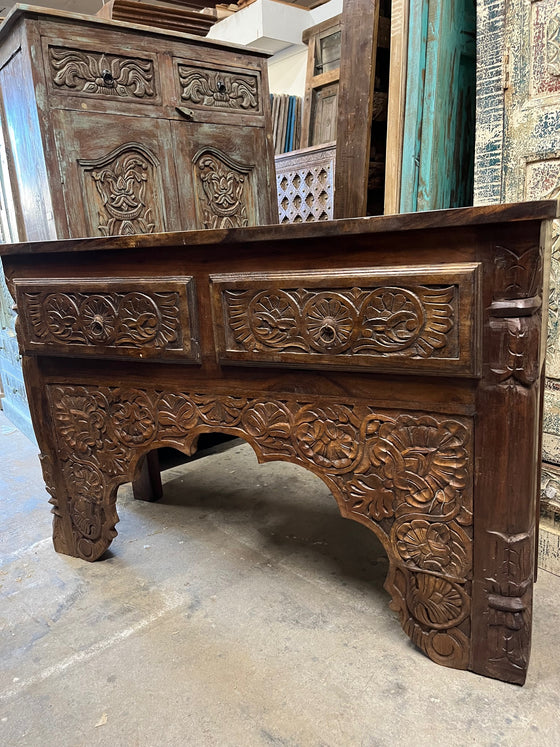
[[123, 192], [224, 194], [220, 89], [152, 318], [545, 48], [102, 74], [407, 476], [357, 319]]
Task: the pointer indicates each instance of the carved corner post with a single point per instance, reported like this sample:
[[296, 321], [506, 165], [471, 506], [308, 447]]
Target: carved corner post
[[506, 445]]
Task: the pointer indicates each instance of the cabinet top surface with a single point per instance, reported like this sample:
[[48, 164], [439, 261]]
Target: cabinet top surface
[[328, 230], [23, 11]]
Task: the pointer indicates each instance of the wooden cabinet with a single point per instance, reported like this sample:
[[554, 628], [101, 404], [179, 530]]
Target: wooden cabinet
[[114, 130]]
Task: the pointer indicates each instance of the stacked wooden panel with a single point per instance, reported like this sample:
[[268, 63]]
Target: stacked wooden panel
[[185, 20]]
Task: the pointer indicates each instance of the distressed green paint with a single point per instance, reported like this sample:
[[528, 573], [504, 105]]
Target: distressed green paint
[[439, 118]]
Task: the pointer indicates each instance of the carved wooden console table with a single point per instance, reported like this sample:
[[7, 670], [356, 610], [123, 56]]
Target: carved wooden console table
[[398, 358]]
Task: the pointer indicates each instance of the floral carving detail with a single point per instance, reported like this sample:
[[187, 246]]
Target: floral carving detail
[[133, 418], [404, 475], [274, 318], [98, 73], [423, 460], [437, 547], [226, 190], [82, 418], [414, 322], [122, 320], [436, 602], [270, 424], [219, 89], [328, 437], [330, 322]]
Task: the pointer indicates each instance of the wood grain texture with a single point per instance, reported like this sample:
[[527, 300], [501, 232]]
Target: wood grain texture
[[396, 104], [360, 19], [427, 459]]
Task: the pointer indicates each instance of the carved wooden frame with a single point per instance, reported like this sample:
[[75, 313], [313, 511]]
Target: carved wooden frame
[[429, 460]]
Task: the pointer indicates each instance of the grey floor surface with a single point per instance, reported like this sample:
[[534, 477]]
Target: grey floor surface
[[241, 610]]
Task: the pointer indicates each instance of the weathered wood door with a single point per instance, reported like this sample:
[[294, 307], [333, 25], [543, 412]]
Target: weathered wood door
[[437, 166], [518, 138], [14, 401]]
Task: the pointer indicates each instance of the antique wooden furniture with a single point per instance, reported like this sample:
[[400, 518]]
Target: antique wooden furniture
[[115, 129], [398, 358]]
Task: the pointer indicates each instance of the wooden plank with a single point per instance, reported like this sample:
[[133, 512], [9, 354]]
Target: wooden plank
[[396, 107], [360, 20], [415, 80]]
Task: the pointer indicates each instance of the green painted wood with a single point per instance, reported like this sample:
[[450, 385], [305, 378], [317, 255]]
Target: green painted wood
[[416, 73], [438, 152]]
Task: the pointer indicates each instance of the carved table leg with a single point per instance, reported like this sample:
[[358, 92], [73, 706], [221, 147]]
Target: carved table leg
[[146, 484]]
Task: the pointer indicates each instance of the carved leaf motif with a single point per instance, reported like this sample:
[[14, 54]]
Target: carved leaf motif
[[388, 321], [82, 418], [436, 602], [98, 73], [517, 274], [369, 496], [219, 89], [514, 351], [126, 320], [270, 423], [224, 196]]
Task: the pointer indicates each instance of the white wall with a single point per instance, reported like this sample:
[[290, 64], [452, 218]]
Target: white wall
[[277, 28]]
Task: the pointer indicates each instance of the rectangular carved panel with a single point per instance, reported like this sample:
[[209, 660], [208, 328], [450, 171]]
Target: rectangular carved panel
[[85, 72], [421, 320], [219, 89], [148, 319]]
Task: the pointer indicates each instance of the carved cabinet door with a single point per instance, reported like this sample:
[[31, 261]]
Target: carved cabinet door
[[118, 174], [221, 170]]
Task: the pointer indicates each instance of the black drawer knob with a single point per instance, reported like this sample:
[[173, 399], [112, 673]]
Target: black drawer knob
[[108, 79], [221, 86]]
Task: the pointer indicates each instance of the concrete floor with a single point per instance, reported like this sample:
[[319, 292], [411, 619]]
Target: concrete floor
[[241, 610]]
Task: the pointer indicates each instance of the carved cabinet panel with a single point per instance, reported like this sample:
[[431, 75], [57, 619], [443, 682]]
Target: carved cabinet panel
[[120, 183], [222, 175], [102, 102]]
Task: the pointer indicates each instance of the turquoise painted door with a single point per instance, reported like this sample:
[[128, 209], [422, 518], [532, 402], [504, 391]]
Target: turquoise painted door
[[14, 400], [438, 149]]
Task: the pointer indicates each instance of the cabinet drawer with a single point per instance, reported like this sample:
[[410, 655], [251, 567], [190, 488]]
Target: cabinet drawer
[[217, 92], [420, 320], [80, 76], [113, 318]]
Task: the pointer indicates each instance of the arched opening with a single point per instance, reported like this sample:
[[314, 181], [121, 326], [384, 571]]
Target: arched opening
[[257, 516]]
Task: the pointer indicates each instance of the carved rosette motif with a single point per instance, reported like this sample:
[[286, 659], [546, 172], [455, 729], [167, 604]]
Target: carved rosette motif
[[78, 71], [119, 319], [415, 322], [408, 477], [224, 199], [125, 186], [219, 89]]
